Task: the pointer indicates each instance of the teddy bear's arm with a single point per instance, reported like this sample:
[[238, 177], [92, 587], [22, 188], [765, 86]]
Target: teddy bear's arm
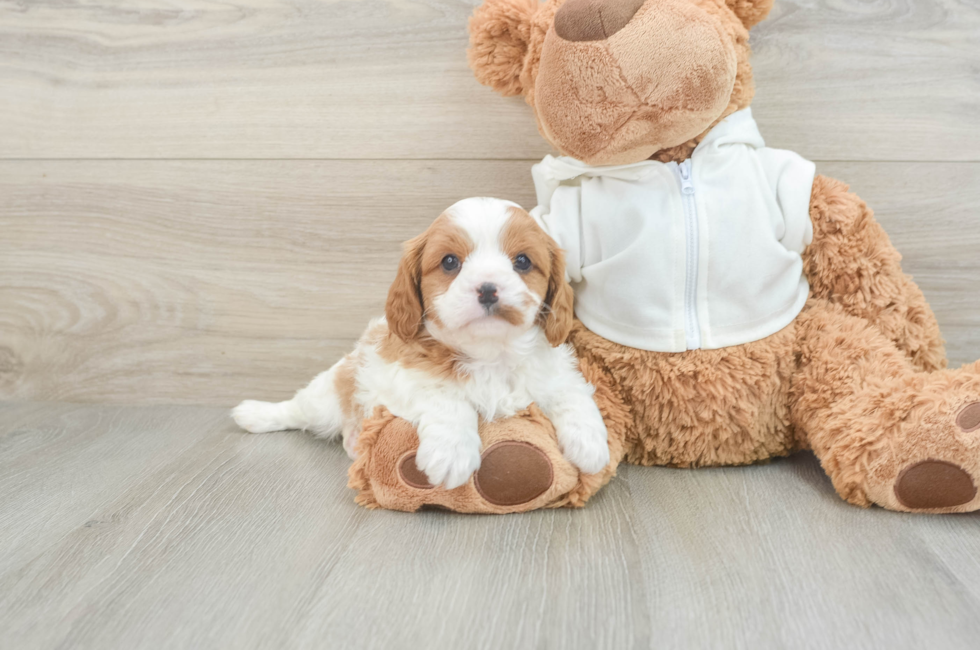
[[852, 263]]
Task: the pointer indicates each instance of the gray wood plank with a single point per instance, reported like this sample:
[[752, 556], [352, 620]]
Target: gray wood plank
[[209, 281], [769, 557], [385, 79], [865, 81], [216, 528], [65, 449], [163, 527], [548, 579], [253, 541]]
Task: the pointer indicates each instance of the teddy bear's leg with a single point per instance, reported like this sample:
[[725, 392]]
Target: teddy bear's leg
[[852, 263], [701, 408], [885, 432]]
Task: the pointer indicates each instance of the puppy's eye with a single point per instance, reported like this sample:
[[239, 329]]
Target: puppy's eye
[[522, 262], [450, 263]]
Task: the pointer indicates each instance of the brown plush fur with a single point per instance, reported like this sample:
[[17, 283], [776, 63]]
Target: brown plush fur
[[851, 262], [386, 440], [498, 54], [859, 377], [868, 413]]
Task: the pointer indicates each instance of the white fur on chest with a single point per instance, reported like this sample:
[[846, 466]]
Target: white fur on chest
[[496, 387]]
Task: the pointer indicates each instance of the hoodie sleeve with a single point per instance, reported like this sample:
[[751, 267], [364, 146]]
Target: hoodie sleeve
[[562, 219], [790, 177]]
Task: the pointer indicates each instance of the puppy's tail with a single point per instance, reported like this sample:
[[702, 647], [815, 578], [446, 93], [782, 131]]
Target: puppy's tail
[[315, 408], [263, 417]]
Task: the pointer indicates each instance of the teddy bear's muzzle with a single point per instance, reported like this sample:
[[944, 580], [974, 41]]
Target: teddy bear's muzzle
[[605, 100]]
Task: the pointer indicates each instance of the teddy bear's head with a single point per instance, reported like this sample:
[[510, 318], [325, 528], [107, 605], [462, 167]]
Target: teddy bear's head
[[619, 81]]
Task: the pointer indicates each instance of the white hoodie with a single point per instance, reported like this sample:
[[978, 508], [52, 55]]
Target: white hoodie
[[668, 257]]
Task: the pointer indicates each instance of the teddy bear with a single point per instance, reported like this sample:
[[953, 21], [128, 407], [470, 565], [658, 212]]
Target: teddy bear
[[731, 304]]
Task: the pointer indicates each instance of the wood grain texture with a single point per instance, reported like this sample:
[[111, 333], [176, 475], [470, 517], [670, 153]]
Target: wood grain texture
[[849, 80], [163, 527], [211, 281]]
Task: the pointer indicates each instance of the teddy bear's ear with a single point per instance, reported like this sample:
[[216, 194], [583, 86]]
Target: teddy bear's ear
[[500, 31], [750, 12]]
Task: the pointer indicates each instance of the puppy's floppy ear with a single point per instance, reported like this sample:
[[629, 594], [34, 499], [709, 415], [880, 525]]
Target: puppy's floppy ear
[[750, 12], [560, 301], [404, 308], [500, 31]]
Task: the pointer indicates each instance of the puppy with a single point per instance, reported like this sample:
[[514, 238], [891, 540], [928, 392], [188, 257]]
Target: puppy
[[475, 327]]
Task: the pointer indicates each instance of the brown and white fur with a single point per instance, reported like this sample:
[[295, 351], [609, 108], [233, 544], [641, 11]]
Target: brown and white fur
[[474, 328]]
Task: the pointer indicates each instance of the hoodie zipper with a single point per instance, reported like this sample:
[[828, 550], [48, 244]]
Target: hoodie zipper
[[692, 328]]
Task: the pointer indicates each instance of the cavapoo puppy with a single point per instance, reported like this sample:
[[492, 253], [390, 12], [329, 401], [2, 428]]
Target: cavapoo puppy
[[474, 327]]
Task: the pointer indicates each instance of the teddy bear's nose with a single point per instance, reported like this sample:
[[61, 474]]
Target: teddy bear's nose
[[594, 20]]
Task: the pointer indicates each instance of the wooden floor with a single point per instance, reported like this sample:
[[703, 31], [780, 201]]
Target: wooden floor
[[203, 201], [164, 527]]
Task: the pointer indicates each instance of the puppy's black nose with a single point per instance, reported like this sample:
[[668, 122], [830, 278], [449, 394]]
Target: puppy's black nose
[[487, 294]]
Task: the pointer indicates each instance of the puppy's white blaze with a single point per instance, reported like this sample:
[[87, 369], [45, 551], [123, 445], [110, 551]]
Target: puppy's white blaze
[[483, 218], [501, 368]]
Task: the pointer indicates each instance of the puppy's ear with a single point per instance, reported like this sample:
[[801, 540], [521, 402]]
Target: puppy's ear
[[750, 12], [500, 31], [560, 301], [404, 308]]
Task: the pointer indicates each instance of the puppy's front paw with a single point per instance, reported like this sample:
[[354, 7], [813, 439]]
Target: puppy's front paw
[[447, 457], [584, 441], [257, 417]]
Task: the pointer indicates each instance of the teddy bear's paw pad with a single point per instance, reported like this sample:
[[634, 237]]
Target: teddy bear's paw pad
[[969, 418], [433, 507], [931, 484], [411, 475], [513, 473]]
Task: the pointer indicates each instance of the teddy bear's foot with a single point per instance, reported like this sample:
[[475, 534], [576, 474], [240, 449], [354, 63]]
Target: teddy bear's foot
[[511, 473], [933, 484], [522, 468], [935, 461]]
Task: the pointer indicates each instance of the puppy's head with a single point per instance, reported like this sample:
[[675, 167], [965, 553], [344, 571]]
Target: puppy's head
[[483, 270]]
